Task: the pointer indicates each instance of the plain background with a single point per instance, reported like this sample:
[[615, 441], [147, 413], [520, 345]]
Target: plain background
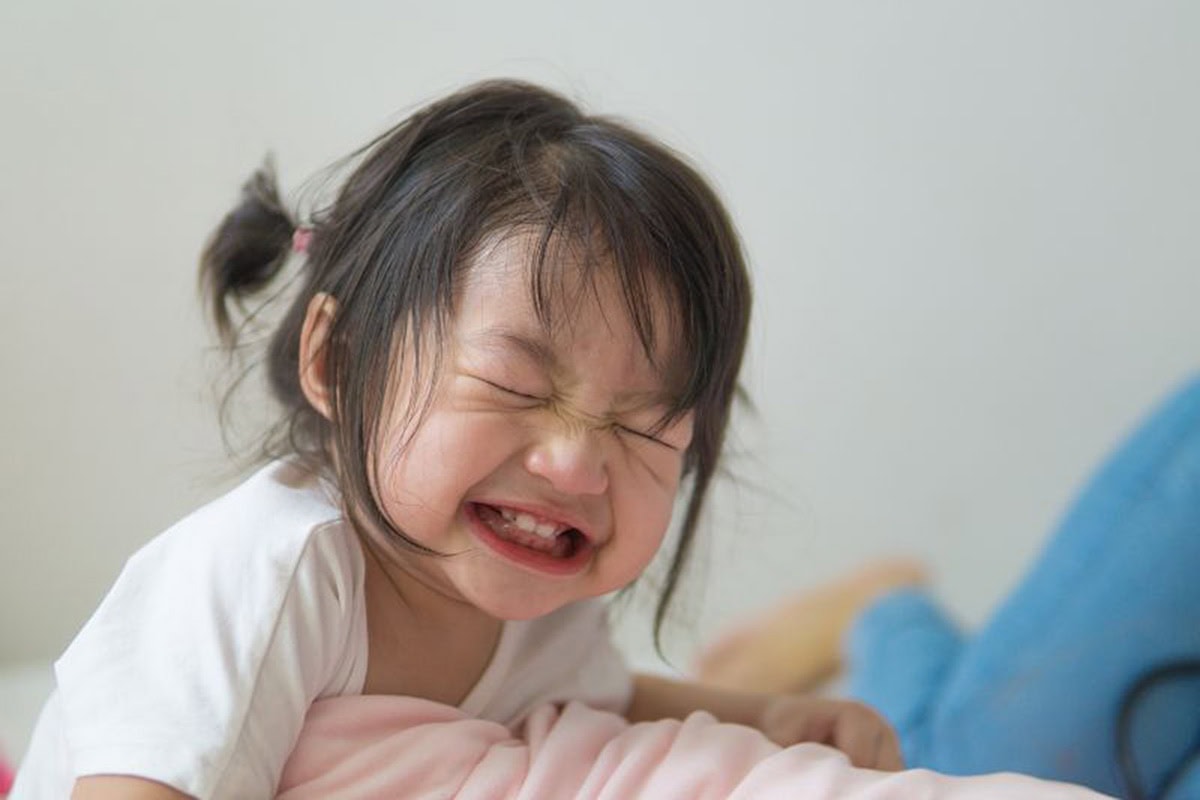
[[972, 226]]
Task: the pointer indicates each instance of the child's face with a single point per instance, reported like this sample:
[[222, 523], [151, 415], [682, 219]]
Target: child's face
[[534, 430]]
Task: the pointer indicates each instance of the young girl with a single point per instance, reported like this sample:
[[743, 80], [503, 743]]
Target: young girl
[[517, 333]]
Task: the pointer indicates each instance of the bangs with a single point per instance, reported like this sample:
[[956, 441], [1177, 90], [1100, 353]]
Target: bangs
[[587, 212], [566, 261]]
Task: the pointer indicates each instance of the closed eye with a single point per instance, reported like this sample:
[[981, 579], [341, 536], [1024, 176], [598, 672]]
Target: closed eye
[[647, 436], [508, 390]]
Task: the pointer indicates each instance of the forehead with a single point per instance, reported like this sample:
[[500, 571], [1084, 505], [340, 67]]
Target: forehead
[[544, 302]]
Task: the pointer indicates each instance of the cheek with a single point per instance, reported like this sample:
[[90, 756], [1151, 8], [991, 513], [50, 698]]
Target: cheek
[[647, 517], [655, 474], [448, 451], [636, 554]]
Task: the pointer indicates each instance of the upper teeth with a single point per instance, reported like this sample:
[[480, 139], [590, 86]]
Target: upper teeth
[[527, 522]]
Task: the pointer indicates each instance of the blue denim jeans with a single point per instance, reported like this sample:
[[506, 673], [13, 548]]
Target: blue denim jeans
[[1039, 688]]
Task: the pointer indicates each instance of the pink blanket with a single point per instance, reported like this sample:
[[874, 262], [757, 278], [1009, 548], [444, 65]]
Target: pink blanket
[[398, 747]]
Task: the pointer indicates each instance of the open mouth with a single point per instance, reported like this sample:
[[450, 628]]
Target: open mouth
[[538, 543]]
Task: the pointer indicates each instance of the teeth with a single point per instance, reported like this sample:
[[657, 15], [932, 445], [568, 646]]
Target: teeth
[[528, 523]]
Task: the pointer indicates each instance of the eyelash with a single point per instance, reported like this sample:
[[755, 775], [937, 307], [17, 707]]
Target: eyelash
[[621, 428], [514, 392], [646, 436]]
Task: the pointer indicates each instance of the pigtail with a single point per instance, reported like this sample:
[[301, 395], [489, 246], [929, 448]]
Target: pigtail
[[245, 252]]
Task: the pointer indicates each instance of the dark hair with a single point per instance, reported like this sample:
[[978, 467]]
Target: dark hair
[[492, 159]]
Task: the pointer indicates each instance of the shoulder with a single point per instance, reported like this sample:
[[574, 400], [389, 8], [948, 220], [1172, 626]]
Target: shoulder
[[274, 515], [278, 543], [219, 632], [234, 563], [273, 553], [249, 545]]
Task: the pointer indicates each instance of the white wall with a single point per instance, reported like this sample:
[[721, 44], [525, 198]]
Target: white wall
[[972, 226]]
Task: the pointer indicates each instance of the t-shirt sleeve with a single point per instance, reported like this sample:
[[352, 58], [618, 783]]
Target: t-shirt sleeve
[[200, 664]]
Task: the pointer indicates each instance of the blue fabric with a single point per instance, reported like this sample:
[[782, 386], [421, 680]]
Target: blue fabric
[[1038, 689], [1188, 787]]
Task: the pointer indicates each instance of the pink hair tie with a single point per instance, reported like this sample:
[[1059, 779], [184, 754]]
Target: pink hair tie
[[300, 239]]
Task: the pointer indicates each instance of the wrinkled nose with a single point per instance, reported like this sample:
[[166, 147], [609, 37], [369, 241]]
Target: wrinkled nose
[[572, 461]]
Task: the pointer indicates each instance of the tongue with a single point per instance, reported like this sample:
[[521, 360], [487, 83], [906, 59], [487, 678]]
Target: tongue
[[559, 546]]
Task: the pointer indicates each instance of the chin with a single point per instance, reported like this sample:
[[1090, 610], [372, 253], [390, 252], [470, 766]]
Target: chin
[[519, 603]]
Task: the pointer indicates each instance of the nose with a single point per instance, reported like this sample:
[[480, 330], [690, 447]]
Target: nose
[[571, 459]]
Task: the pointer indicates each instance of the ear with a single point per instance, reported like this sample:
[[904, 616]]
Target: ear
[[314, 336]]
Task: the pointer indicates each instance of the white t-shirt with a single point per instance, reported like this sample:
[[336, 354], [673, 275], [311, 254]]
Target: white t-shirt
[[198, 667]]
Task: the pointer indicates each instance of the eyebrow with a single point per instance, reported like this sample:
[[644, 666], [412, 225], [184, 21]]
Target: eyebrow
[[536, 349], [539, 350]]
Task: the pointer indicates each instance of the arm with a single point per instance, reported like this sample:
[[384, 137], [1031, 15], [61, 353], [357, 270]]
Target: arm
[[210, 638], [123, 787], [662, 698]]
